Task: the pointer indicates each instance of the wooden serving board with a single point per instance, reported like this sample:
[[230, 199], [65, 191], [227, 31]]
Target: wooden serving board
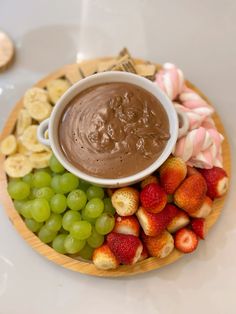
[[71, 72]]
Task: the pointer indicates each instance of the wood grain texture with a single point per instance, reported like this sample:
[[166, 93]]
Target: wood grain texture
[[72, 263]]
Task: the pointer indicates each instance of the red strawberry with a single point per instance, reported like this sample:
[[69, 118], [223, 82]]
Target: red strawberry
[[186, 240], [191, 193], [172, 173], [126, 248], [144, 254], [160, 246], [217, 181], [204, 210], [199, 227], [153, 198], [154, 224], [103, 258], [148, 180], [179, 221], [127, 225]]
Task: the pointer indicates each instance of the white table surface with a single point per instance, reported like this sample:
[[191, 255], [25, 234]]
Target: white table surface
[[199, 36]]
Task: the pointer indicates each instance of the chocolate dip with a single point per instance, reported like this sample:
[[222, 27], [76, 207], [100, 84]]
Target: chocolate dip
[[113, 130]]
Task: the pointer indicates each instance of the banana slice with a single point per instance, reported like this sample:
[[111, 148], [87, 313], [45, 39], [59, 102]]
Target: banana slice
[[56, 89], [24, 120], [30, 141], [9, 145], [35, 94], [40, 160], [39, 110], [17, 166], [21, 149]]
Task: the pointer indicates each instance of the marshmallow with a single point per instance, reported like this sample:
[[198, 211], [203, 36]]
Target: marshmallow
[[195, 119], [192, 144], [171, 80], [194, 102]]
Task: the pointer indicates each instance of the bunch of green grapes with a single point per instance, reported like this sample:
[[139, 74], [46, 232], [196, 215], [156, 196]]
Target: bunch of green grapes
[[64, 211]]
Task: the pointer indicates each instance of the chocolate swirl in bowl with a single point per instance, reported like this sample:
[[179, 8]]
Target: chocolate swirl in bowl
[[113, 130]]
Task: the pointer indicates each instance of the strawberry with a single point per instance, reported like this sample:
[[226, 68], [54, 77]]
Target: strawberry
[[179, 221], [191, 193], [191, 171], [172, 173], [103, 258], [186, 240], [204, 210], [217, 181], [160, 246], [125, 201], [127, 225], [126, 248], [154, 224], [143, 255], [148, 180], [199, 227], [153, 198]]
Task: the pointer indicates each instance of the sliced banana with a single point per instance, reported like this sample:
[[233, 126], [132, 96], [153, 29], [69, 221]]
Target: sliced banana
[[24, 120], [21, 149], [9, 145], [17, 166], [40, 160], [56, 89], [29, 138], [39, 110], [35, 94], [46, 134]]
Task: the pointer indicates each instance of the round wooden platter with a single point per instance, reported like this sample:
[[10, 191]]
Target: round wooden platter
[[71, 73]]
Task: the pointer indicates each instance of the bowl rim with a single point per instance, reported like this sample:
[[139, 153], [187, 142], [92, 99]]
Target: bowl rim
[[108, 77]]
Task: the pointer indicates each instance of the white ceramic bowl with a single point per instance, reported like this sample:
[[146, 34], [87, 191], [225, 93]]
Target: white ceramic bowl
[[107, 77]]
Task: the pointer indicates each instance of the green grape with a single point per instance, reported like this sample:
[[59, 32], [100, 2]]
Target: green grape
[[47, 169], [85, 217], [41, 179], [18, 205], [84, 185], [40, 209], [33, 225], [58, 203], [68, 182], [108, 207], [94, 208], [81, 230], [95, 192], [28, 179], [54, 222], [73, 245], [86, 252], [18, 190], [55, 166], [45, 192], [46, 235], [55, 184], [58, 243], [105, 223], [26, 209], [95, 240], [69, 218], [33, 193], [76, 200]]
